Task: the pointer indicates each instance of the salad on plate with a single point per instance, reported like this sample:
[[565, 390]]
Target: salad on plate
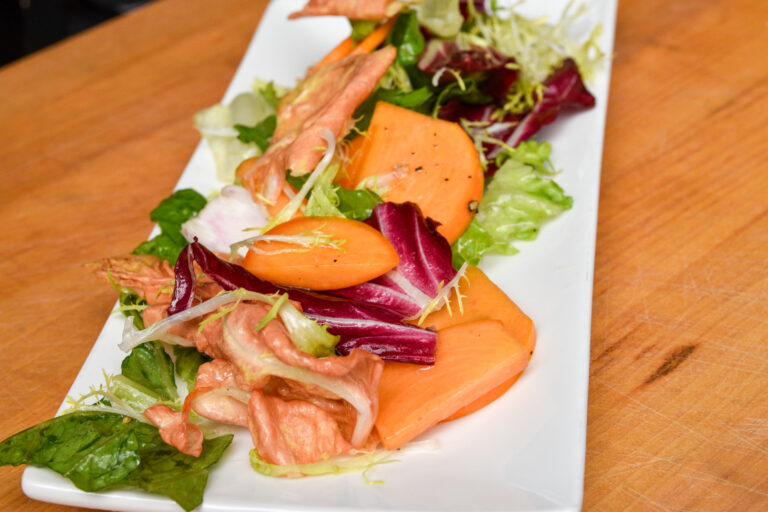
[[327, 298]]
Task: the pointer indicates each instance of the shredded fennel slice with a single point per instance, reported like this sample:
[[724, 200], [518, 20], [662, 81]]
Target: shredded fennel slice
[[380, 183], [223, 310], [305, 241], [306, 333], [159, 330]]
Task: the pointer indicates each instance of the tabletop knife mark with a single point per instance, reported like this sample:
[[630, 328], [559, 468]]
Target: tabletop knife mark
[[673, 361]]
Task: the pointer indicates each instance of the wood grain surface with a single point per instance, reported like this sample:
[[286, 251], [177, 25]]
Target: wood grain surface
[[96, 130]]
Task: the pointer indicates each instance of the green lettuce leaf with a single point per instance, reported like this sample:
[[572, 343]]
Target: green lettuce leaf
[[441, 17], [308, 335], [99, 451], [471, 245], [515, 205], [178, 208]]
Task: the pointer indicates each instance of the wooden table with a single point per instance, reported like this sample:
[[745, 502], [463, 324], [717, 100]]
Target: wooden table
[[95, 131]]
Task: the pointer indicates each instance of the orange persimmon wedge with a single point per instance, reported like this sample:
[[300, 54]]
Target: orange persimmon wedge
[[471, 359], [414, 157], [345, 253], [482, 299]]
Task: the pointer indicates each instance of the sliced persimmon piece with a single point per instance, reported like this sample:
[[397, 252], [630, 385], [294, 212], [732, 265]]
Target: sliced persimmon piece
[[325, 253], [413, 157], [481, 299], [471, 359], [484, 400]]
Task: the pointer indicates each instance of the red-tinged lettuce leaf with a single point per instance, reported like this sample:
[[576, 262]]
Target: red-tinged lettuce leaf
[[350, 321], [470, 59], [425, 267]]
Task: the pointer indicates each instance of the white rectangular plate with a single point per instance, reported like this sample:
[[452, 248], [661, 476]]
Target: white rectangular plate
[[524, 452]]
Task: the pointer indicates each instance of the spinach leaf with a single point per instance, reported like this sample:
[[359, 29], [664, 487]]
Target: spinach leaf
[[99, 451], [406, 36], [150, 366], [357, 204], [178, 208], [170, 214], [164, 470], [94, 450], [416, 99], [259, 134], [188, 360], [128, 300]]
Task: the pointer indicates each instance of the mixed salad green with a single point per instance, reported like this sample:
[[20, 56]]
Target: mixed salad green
[[500, 75]]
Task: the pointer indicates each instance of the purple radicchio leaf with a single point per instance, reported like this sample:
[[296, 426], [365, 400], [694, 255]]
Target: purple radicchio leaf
[[470, 58], [184, 282], [358, 325], [563, 90], [464, 7], [425, 262]]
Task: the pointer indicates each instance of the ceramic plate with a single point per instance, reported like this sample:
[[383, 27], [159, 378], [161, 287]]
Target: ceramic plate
[[524, 452]]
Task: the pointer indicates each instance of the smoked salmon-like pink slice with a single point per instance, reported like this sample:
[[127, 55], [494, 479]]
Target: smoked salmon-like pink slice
[[324, 100], [148, 276], [270, 352], [293, 432], [217, 406], [353, 9], [175, 430]]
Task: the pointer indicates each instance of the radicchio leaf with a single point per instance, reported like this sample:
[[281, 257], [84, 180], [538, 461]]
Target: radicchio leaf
[[478, 4], [358, 325], [425, 267], [563, 90], [470, 58]]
